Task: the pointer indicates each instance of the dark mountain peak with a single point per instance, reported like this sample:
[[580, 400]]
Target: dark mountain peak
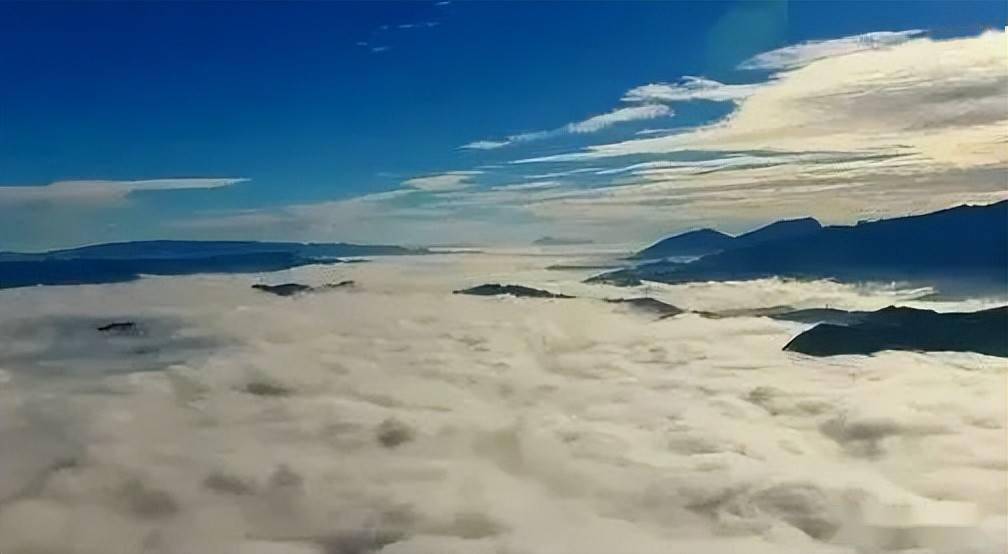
[[284, 289], [293, 289], [807, 222], [902, 328], [691, 243], [708, 241], [119, 327], [520, 291], [706, 232], [893, 309], [786, 228], [651, 305]]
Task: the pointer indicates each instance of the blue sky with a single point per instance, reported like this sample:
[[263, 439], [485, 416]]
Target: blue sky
[[478, 122]]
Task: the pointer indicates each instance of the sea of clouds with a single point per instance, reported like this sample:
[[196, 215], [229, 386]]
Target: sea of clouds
[[399, 418]]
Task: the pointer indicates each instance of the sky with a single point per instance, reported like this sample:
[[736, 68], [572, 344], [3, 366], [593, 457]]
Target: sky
[[483, 122]]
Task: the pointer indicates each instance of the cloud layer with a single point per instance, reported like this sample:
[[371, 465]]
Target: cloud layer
[[400, 418]]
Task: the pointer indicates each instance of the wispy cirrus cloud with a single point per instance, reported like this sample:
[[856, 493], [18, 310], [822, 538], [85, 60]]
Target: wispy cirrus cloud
[[798, 55], [379, 39], [451, 180], [422, 24], [647, 102], [691, 88], [619, 115], [103, 191], [589, 125]]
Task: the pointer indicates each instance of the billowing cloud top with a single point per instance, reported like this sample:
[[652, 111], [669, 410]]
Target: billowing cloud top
[[403, 419]]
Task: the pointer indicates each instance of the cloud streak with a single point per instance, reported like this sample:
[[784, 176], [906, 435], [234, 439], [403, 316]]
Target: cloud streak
[[103, 191], [799, 55], [590, 125], [452, 180], [691, 88]]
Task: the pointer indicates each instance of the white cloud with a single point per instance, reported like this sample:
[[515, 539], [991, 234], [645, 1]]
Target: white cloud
[[591, 125], [486, 144], [700, 166], [691, 88], [100, 192], [451, 180], [944, 100], [530, 426], [619, 115], [798, 55], [566, 173], [649, 103], [427, 24], [655, 199]]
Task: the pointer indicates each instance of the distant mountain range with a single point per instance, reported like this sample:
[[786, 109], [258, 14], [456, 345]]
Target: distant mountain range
[[708, 241], [961, 248], [560, 241], [187, 249], [126, 261]]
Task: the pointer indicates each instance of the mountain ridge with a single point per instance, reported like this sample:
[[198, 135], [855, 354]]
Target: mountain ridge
[[149, 249], [960, 247], [127, 261], [706, 241], [902, 328]]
